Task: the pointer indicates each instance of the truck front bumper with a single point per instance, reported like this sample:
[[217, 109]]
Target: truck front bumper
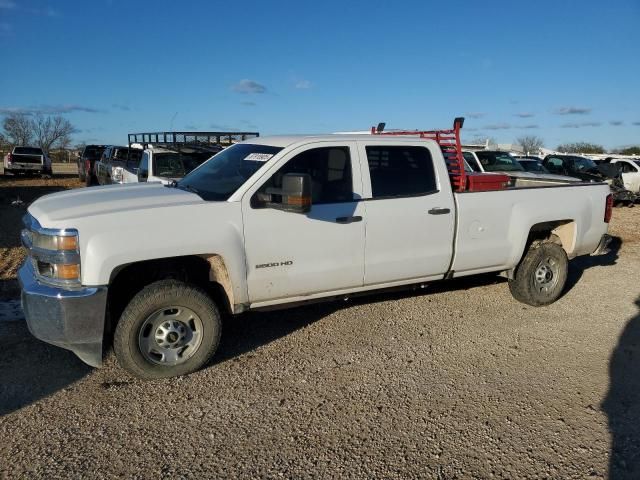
[[71, 319]]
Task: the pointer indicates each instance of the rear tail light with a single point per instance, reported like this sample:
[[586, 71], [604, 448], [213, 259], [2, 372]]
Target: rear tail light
[[87, 166], [608, 209], [9, 158]]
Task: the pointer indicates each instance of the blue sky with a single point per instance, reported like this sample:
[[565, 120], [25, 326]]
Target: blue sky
[[563, 70]]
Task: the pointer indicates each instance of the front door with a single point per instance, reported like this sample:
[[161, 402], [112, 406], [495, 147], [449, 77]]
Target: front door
[[296, 255]]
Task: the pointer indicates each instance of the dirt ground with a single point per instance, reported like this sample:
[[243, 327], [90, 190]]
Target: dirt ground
[[16, 193], [457, 381]]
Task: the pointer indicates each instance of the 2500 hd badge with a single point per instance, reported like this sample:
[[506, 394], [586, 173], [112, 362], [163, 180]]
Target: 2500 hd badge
[[275, 264]]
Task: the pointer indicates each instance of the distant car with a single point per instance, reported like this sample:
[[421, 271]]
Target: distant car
[[630, 171], [27, 160], [166, 165], [588, 171], [113, 163], [503, 162], [532, 165], [86, 163]]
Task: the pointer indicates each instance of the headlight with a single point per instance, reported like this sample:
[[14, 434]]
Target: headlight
[[55, 253], [55, 242]]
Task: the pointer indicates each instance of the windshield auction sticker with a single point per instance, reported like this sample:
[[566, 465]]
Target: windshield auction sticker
[[258, 157]]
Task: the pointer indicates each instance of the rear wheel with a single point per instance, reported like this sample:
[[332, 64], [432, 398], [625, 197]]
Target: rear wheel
[[170, 328], [541, 275]]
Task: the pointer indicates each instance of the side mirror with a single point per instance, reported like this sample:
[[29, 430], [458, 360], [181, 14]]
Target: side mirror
[[296, 192]]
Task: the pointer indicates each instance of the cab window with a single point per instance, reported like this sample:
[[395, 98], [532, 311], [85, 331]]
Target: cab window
[[399, 171], [330, 172]]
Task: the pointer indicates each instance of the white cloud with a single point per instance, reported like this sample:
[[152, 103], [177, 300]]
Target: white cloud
[[303, 85], [249, 86], [572, 111]]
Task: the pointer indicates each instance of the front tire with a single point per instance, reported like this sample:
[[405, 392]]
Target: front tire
[[170, 328], [541, 275]]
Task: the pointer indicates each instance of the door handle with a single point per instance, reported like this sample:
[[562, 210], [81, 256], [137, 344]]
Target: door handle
[[345, 220], [439, 211]]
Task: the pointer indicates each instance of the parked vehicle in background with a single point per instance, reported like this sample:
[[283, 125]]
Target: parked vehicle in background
[[113, 163], [630, 171], [169, 156], [532, 165], [503, 162], [27, 160], [587, 170], [273, 222], [158, 164], [86, 163]]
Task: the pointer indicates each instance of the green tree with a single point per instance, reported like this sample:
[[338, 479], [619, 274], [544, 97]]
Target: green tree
[[581, 147], [635, 150]]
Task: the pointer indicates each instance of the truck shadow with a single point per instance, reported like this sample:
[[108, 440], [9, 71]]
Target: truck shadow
[[622, 403], [250, 331], [578, 265], [31, 369]]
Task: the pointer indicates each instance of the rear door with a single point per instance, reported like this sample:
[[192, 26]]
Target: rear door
[[298, 255], [409, 211]]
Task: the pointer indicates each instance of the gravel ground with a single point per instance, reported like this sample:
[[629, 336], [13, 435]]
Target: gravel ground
[[457, 381]]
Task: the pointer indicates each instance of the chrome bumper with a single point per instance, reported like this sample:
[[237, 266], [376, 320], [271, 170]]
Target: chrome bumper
[[71, 319]]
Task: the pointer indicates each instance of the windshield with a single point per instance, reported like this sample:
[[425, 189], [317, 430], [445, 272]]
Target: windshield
[[176, 165], [637, 162], [224, 173], [27, 151], [93, 153], [582, 164], [498, 162], [533, 166]]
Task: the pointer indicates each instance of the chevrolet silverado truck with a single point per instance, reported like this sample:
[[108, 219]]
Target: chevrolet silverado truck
[[27, 160], [274, 222]]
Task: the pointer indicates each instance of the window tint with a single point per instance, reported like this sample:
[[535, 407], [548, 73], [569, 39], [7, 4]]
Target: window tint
[[27, 151], [398, 171], [144, 163], [554, 164], [330, 171], [471, 161]]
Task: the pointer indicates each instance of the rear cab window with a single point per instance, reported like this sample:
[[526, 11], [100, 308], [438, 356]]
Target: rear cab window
[[27, 151], [400, 171]]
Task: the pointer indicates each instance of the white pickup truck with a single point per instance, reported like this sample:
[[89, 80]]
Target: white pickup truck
[[278, 221]]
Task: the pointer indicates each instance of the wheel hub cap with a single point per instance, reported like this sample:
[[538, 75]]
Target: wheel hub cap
[[170, 336], [546, 275]]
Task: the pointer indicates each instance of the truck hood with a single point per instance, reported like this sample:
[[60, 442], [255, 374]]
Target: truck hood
[[58, 209]]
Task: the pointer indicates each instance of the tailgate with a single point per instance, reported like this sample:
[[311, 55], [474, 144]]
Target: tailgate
[[22, 158]]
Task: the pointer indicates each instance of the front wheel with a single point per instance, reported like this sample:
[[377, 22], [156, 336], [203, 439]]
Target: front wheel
[[169, 328], [541, 275]]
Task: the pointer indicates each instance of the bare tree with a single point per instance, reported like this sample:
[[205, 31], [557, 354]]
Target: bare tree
[[530, 144], [484, 140], [18, 128], [50, 131]]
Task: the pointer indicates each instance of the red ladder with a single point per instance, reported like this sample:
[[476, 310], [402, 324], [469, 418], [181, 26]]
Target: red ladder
[[449, 141]]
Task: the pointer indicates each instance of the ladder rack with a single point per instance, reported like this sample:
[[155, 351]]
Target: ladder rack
[[449, 141]]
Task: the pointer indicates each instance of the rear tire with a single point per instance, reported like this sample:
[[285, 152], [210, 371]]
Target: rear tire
[[541, 275], [170, 328]]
